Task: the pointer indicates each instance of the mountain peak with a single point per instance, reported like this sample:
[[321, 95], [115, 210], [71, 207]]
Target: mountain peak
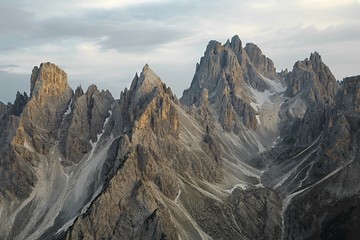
[[236, 43], [213, 47], [146, 82], [262, 63], [315, 57], [49, 79]]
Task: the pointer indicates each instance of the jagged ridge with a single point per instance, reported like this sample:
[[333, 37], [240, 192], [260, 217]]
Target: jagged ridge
[[235, 158]]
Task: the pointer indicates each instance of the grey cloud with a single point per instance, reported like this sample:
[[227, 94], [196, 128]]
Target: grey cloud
[[12, 83], [141, 37], [13, 19], [6, 66], [299, 37], [132, 33], [134, 28]]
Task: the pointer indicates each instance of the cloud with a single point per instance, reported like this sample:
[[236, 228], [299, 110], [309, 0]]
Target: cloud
[[8, 66], [299, 36], [105, 42], [11, 83], [325, 4], [140, 37], [112, 29]]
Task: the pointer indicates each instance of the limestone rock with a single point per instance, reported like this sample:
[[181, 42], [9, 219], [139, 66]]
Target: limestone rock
[[349, 96], [226, 72], [240, 156], [87, 114], [312, 87], [263, 64], [19, 104], [313, 79]]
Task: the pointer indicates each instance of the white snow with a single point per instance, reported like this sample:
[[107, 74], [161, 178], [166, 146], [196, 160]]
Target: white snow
[[57, 191], [289, 197], [239, 185], [258, 118], [177, 197], [307, 173], [275, 84], [260, 98], [264, 97], [93, 144], [288, 174], [68, 111]]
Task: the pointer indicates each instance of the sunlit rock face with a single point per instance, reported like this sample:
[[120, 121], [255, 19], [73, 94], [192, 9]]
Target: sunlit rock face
[[246, 153]]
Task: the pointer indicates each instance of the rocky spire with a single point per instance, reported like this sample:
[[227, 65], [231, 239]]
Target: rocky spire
[[312, 87], [50, 94], [236, 44], [262, 63], [313, 79], [145, 84], [19, 104], [228, 72], [48, 79]]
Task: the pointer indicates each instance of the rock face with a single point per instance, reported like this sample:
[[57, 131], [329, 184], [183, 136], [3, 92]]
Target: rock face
[[263, 64], [242, 155], [311, 89], [225, 72]]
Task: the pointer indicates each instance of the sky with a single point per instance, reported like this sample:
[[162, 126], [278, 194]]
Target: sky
[[105, 42]]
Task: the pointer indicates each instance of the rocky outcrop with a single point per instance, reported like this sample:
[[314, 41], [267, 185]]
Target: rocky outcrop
[[267, 215], [226, 72], [330, 175], [152, 159], [32, 124], [42, 116], [20, 102], [86, 113], [311, 88], [262, 63], [313, 79]]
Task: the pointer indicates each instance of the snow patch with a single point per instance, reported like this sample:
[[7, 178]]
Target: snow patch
[[258, 118], [177, 197], [289, 173], [68, 110], [274, 84], [260, 98], [264, 97], [289, 197], [93, 144], [239, 185]]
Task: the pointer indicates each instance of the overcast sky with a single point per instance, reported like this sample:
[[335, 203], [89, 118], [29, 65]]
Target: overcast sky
[[105, 41]]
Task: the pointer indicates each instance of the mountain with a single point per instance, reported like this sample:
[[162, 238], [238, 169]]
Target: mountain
[[246, 153]]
